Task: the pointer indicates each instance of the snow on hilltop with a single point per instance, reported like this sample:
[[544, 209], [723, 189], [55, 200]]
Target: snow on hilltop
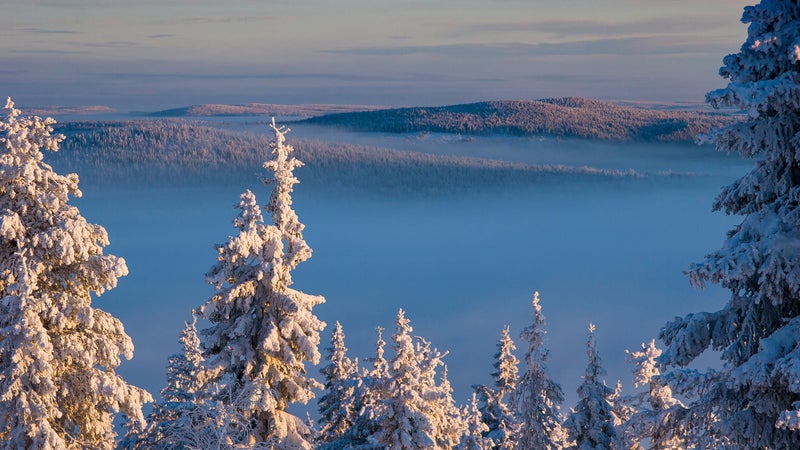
[[560, 117]]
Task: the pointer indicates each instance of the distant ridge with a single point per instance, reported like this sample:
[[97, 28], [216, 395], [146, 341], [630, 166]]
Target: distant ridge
[[258, 109], [46, 111], [559, 117]]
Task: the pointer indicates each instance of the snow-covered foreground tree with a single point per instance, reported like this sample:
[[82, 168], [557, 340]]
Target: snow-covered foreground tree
[[538, 398], [398, 404], [754, 400], [413, 415], [591, 424], [337, 406], [58, 354], [655, 415], [497, 404], [475, 436], [174, 416], [263, 331]]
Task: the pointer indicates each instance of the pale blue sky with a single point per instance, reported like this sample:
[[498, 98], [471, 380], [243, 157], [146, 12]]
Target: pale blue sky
[[151, 54]]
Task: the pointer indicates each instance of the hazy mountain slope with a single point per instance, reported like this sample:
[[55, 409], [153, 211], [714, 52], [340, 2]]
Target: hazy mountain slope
[[177, 151], [561, 117]]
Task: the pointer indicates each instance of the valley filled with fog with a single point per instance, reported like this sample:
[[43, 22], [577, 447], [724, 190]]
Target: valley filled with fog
[[459, 232]]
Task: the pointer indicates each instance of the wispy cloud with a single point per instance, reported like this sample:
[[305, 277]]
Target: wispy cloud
[[599, 28], [107, 44], [47, 31], [216, 20], [606, 46], [240, 76], [34, 51], [161, 36]]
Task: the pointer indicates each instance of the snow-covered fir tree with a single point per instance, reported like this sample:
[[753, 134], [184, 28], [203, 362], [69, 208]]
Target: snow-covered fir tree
[[174, 414], [411, 415], [754, 400], [591, 423], [655, 415], [369, 393], [474, 437], [58, 354], [262, 330], [448, 422], [497, 404], [538, 397], [337, 405]]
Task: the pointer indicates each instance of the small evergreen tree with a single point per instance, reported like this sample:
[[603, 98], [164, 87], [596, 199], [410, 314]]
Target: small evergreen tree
[[415, 411], [263, 331], [337, 404], [475, 436], [754, 400], [538, 397], [58, 354], [369, 394], [497, 409], [591, 424], [656, 415], [173, 416], [405, 424]]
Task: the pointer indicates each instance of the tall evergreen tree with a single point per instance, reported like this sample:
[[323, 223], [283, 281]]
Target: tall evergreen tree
[[58, 354], [262, 331], [591, 423], [538, 397], [754, 400], [337, 404]]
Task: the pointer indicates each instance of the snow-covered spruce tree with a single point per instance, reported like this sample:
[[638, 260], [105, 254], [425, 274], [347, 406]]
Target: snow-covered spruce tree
[[656, 416], [337, 404], [58, 354], [591, 424], [448, 423], [369, 394], [174, 415], [497, 404], [754, 400], [262, 331], [410, 412], [538, 397], [475, 436]]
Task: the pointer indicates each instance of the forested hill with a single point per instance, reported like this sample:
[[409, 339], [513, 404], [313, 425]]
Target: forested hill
[[168, 151], [559, 117], [258, 109]]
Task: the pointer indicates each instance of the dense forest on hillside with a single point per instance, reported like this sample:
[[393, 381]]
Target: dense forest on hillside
[[258, 109], [159, 151], [559, 117]]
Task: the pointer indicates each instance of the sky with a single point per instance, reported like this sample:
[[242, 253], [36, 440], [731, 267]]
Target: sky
[[156, 54]]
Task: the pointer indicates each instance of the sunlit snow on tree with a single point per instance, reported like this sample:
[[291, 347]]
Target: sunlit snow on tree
[[262, 330], [58, 354]]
